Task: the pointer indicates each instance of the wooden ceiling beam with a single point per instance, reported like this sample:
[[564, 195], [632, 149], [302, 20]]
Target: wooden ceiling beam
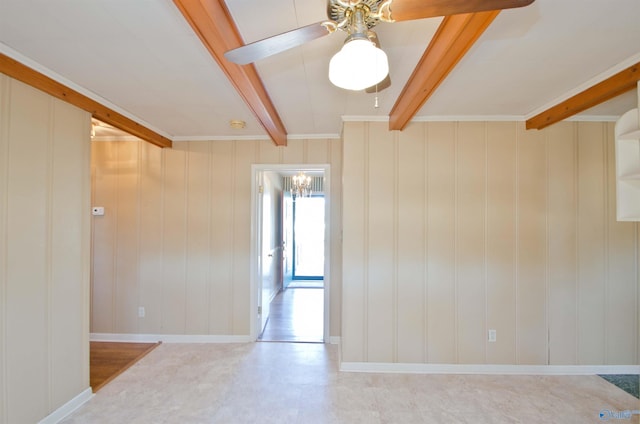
[[25, 74], [212, 22], [620, 83], [452, 40]]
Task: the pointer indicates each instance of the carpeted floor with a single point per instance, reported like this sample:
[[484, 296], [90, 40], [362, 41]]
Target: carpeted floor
[[630, 383]]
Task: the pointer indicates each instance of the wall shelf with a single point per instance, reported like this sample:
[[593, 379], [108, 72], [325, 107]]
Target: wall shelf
[[628, 166]]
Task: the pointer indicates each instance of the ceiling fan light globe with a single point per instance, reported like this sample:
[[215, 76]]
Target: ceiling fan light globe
[[358, 65]]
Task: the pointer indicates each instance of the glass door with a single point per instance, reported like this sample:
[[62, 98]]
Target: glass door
[[308, 238]]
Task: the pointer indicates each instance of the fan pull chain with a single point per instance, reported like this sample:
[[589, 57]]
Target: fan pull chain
[[375, 103]]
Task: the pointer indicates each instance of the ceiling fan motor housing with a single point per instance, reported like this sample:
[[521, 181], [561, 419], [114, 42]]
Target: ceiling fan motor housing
[[343, 10]]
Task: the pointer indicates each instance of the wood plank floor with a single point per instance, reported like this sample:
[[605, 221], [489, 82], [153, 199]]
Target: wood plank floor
[[297, 315], [109, 359]]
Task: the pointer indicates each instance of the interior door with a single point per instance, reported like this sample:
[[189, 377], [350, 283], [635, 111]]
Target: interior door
[[270, 244]]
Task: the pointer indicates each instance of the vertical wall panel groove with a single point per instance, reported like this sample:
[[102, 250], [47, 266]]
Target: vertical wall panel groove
[[605, 250], [5, 93], [456, 330], [49, 250], [425, 206], [137, 231], [576, 183], [116, 246], [485, 232], [546, 249], [209, 236], [365, 241], [395, 213], [232, 224], [516, 268], [187, 237], [163, 196]]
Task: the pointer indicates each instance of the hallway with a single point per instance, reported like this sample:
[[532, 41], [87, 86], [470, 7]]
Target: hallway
[[296, 316]]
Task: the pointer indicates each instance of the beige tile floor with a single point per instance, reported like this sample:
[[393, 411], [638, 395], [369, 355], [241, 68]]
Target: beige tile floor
[[300, 383]]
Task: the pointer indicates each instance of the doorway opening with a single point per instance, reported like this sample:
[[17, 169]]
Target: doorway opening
[[294, 307]]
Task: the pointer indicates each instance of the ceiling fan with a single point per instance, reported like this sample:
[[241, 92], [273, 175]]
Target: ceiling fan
[[362, 64]]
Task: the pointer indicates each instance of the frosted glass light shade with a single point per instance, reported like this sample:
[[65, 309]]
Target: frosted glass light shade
[[358, 65]]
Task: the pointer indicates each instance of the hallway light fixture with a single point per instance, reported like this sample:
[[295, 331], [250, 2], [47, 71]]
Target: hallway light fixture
[[300, 186]]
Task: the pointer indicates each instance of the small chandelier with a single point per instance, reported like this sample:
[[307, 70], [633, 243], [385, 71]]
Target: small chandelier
[[300, 186]]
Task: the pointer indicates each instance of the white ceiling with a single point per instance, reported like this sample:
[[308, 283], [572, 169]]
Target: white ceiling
[[143, 59]]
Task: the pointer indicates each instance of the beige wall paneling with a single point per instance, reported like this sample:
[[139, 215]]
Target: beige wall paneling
[[531, 341], [441, 230], [295, 152], [104, 176], [592, 266], [69, 249], [174, 255], [520, 237], [355, 201], [621, 326], [5, 92], [411, 243], [223, 178], [269, 152], [150, 237], [246, 154], [198, 237], [28, 261], [471, 169], [501, 241], [44, 228], [126, 294], [562, 253], [317, 151], [335, 206], [190, 241], [382, 252]]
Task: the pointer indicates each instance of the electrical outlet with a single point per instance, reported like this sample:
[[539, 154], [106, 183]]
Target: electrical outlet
[[493, 334], [141, 312]]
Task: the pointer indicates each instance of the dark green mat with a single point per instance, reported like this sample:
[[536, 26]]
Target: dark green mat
[[630, 383]]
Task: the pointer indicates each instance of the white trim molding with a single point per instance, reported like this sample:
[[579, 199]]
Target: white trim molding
[[407, 368], [167, 338], [587, 84], [68, 408], [8, 51], [255, 137]]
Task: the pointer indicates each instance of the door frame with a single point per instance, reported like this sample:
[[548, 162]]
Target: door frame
[[257, 170]]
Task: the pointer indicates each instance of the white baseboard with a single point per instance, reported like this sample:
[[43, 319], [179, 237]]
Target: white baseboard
[[167, 338], [488, 369], [66, 409]]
